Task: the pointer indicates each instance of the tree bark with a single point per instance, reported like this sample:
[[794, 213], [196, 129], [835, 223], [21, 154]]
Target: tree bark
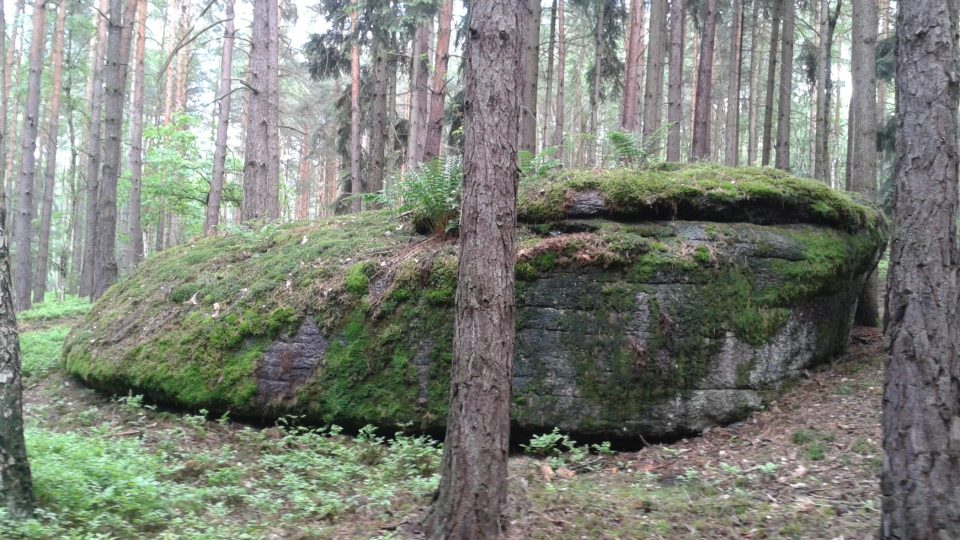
[[921, 414], [678, 19], [701, 113], [379, 135], [597, 63], [629, 111], [561, 77], [548, 93], [23, 233], [261, 171], [212, 219], [356, 183], [4, 97], [119, 35], [302, 206], [439, 92], [753, 104], [531, 70], [828, 22], [473, 485], [653, 86], [732, 136], [93, 154], [786, 87], [419, 94], [10, 72], [773, 59], [16, 485], [135, 157], [50, 166]]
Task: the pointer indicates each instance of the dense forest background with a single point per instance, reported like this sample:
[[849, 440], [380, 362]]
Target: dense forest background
[[130, 126]]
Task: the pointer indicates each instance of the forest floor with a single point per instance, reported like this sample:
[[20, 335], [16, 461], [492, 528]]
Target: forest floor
[[806, 467]]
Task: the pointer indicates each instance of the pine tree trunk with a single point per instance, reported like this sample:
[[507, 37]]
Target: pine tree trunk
[[863, 102], [356, 185], [629, 111], [212, 219], [302, 207], [93, 155], [531, 70], [772, 61], [548, 93], [732, 136], [595, 96], [473, 486], [119, 35], [653, 86], [678, 19], [376, 169], [134, 252], [11, 71], [16, 485], [50, 167], [828, 22], [561, 77], [420, 90], [23, 233], [261, 171], [701, 114], [439, 92], [753, 103], [786, 87], [921, 414]]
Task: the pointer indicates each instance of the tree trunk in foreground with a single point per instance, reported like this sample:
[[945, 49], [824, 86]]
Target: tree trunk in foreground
[[212, 219], [701, 113], [50, 166], [23, 230], [16, 487], [921, 398], [261, 170], [473, 485], [863, 132], [675, 82]]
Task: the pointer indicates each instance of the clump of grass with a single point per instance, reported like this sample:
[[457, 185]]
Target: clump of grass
[[70, 306]]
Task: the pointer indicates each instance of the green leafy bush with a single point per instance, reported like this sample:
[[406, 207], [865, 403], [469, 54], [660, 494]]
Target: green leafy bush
[[430, 194]]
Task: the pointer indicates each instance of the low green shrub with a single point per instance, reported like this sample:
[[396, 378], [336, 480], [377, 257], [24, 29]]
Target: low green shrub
[[70, 306]]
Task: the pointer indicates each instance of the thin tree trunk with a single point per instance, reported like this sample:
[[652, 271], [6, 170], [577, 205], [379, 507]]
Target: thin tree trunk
[[863, 103], [135, 157], [356, 185], [11, 71], [119, 35], [439, 92], [828, 22], [74, 238], [653, 87], [786, 88], [773, 60], [921, 413], [212, 218], [23, 234], [473, 484], [561, 76], [261, 172], [732, 136], [16, 485], [675, 84], [419, 90], [701, 114], [753, 101], [531, 70], [551, 45], [629, 111], [597, 81], [50, 167], [302, 207], [93, 155], [376, 169]]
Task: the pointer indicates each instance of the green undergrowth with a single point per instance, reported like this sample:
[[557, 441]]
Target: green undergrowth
[[40, 350], [702, 192], [70, 306]]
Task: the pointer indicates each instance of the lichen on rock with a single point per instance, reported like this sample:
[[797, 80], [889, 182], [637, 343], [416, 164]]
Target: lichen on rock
[[649, 304]]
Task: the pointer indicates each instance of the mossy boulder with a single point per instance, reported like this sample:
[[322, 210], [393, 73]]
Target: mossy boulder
[[649, 304]]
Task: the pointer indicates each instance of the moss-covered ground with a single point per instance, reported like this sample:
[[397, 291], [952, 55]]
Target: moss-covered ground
[[119, 467]]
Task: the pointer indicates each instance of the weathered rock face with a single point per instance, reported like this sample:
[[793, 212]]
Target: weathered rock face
[[625, 327]]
